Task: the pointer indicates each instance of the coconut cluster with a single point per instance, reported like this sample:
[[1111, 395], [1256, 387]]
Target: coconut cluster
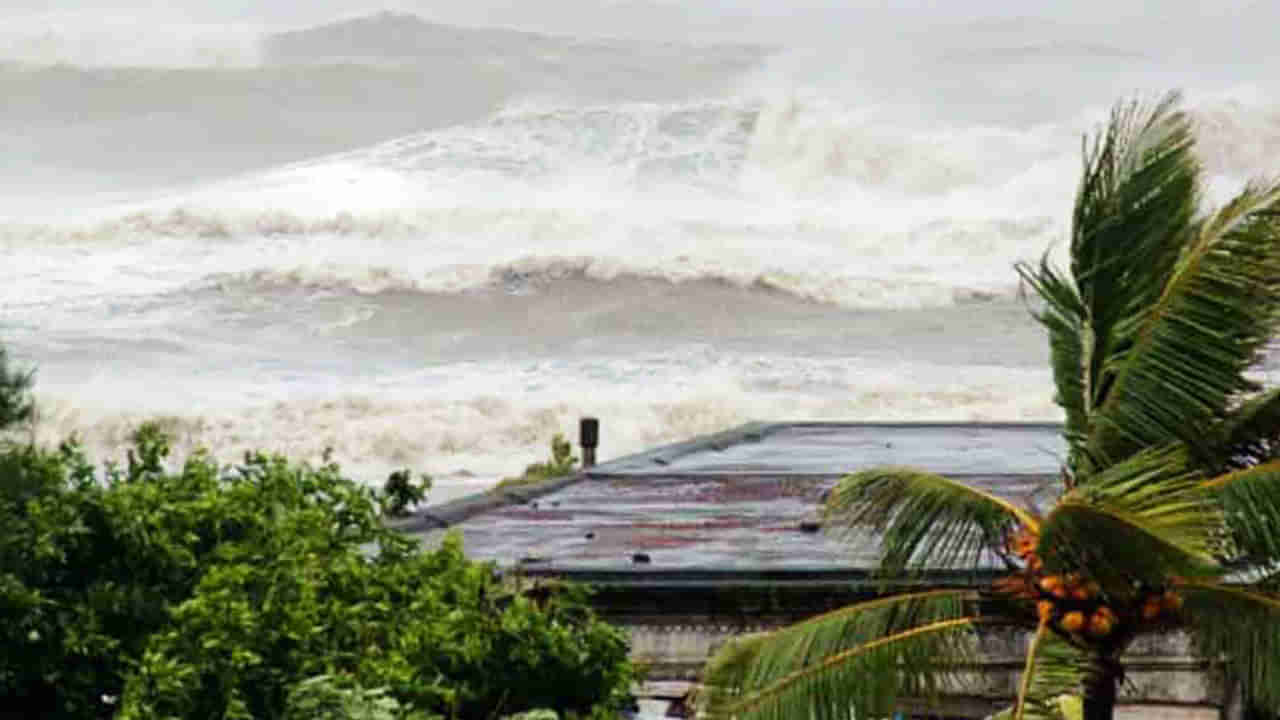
[[1077, 605]]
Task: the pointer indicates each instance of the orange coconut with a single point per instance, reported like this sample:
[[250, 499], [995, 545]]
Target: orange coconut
[[1102, 622], [1072, 621]]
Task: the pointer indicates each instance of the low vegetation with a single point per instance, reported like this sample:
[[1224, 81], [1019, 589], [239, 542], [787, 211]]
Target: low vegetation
[[267, 589], [561, 464], [15, 399], [402, 491]]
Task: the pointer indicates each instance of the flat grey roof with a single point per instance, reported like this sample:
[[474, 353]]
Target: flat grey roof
[[740, 501], [839, 448]]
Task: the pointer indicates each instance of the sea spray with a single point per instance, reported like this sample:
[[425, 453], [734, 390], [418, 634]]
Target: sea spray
[[441, 264]]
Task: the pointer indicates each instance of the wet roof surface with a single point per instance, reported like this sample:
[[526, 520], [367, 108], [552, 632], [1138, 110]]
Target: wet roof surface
[[832, 448], [744, 500]]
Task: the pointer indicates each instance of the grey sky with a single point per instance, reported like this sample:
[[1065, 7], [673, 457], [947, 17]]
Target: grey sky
[[1234, 31], [1156, 12]]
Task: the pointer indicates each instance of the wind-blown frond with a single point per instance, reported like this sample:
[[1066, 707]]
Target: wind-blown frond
[[724, 679], [1242, 626], [1050, 682], [1250, 434], [1251, 504], [1184, 355], [861, 658], [1146, 518], [1070, 348], [1133, 211], [925, 520]]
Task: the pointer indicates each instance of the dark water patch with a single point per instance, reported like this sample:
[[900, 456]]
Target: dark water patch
[[584, 316]]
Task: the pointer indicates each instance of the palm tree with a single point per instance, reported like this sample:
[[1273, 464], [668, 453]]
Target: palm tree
[[1168, 514]]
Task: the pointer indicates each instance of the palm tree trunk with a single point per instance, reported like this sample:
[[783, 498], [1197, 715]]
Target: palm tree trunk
[[1100, 684]]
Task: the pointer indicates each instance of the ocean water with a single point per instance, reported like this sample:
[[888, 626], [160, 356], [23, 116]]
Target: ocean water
[[433, 247]]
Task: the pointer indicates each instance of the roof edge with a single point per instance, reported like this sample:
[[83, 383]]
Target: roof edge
[[756, 431], [448, 514], [453, 512]]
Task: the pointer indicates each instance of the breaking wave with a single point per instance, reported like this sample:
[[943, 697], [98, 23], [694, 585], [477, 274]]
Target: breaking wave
[[797, 195], [450, 243], [521, 251], [471, 425]]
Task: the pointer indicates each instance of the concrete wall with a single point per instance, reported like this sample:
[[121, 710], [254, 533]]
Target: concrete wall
[[1164, 681]]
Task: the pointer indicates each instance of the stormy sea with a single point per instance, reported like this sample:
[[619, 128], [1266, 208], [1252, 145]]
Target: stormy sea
[[433, 244]]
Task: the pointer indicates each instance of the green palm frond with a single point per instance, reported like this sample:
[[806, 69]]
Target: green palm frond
[[1050, 681], [724, 679], [1184, 356], [925, 520], [1146, 518], [1134, 209], [1241, 625], [1251, 505], [1250, 434], [1070, 348], [848, 663]]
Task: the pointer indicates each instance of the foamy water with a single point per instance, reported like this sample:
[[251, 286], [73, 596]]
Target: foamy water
[[762, 242]]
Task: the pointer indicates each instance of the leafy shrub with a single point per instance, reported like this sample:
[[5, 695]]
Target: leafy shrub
[[562, 463], [215, 591], [401, 490], [15, 394], [325, 697]]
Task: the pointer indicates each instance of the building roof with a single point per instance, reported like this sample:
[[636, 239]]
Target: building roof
[[739, 503]]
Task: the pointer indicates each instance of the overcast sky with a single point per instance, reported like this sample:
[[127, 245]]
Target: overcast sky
[[1156, 12], [1241, 31]]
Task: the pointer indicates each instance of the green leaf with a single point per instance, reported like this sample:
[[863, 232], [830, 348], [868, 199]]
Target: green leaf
[[1251, 504], [15, 393], [1134, 208], [1241, 625], [1144, 519], [853, 662], [1181, 359], [1056, 673], [1250, 434], [1071, 344], [925, 520], [1050, 681]]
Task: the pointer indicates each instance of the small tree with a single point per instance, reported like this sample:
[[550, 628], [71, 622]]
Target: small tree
[[15, 393], [214, 591], [401, 491], [561, 463]]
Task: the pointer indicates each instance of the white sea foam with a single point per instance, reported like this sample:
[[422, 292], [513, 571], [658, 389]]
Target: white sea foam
[[785, 197], [795, 195], [515, 255], [470, 424]]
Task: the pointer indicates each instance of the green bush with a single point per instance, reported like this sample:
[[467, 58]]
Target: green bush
[[212, 591], [562, 463], [401, 490], [325, 697], [15, 394]]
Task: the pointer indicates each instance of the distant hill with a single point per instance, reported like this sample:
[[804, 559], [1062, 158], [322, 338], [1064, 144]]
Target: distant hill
[[398, 36], [391, 35]]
